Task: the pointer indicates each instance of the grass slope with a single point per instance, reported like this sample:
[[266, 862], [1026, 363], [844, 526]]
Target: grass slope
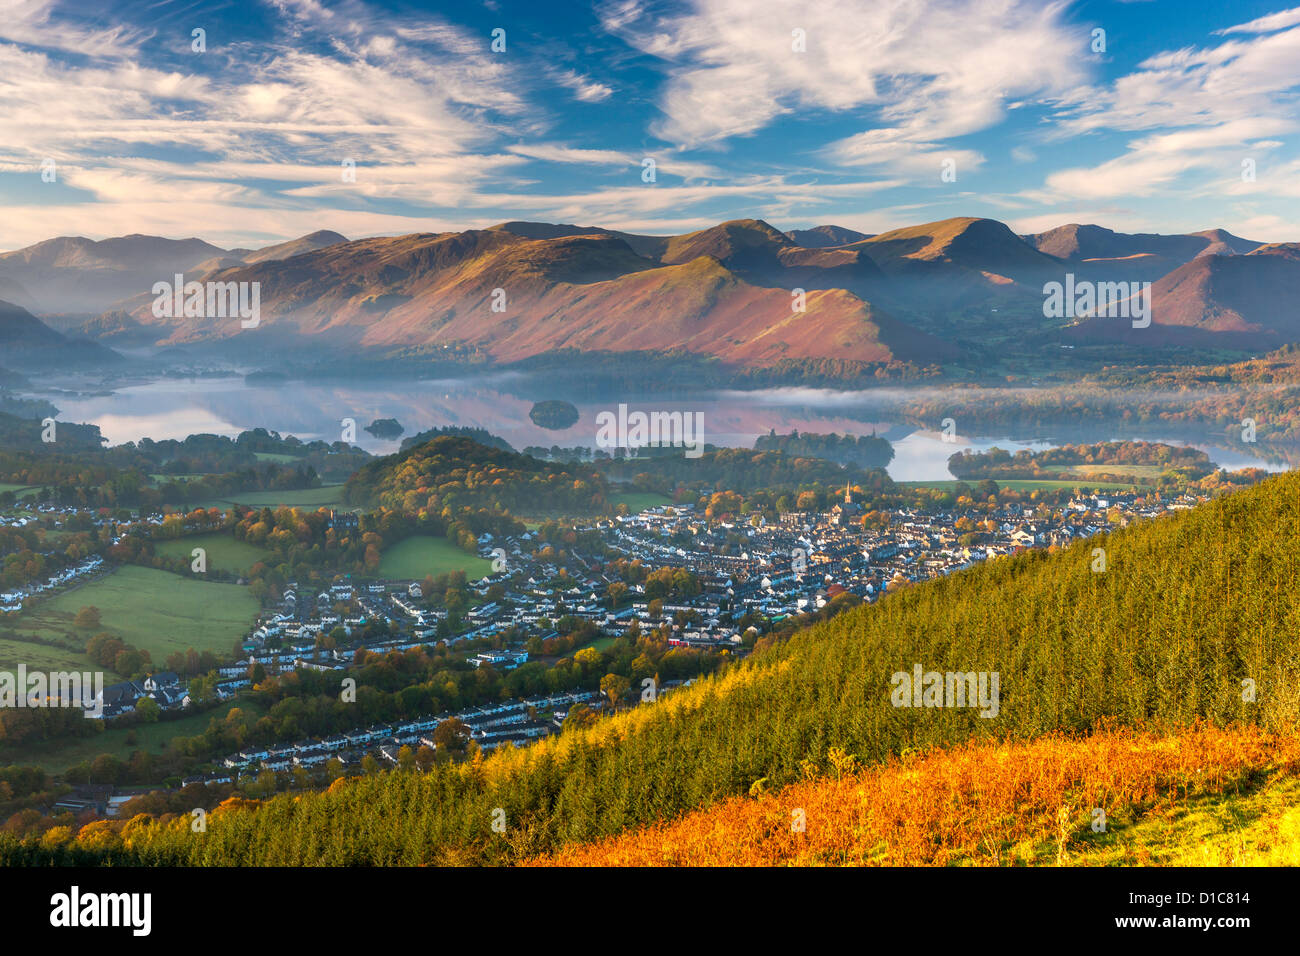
[[1205, 796], [57, 757], [224, 553], [152, 610], [422, 554]]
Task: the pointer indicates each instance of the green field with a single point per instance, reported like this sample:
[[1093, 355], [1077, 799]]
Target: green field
[[423, 554], [153, 610], [1134, 471], [21, 491], [639, 500], [324, 496], [223, 551], [1025, 484], [276, 457], [149, 737]]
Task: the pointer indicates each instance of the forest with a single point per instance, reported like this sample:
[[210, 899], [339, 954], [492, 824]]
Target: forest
[[452, 472], [866, 451], [1176, 463]]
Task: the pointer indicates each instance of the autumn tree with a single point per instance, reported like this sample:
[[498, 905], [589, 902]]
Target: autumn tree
[[87, 617], [614, 686]]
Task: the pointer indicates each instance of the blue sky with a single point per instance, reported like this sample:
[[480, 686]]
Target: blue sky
[[244, 142]]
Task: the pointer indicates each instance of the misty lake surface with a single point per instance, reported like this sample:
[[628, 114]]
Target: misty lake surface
[[177, 407]]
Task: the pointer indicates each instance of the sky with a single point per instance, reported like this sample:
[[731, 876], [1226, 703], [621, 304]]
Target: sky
[[247, 122]]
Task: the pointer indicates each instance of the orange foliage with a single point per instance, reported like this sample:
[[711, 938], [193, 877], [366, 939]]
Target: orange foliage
[[971, 804]]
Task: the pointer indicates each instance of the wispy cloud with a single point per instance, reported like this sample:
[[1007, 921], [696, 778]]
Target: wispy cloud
[[918, 72]]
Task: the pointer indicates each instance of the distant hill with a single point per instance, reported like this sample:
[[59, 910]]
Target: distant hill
[[724, 292], [1239, 301], [23, 433], [1102, 254], [740, 295], [819, 237], [75, 274], [1075, 243], [72, 274], [26, 342], [294, 247], [12, 291], [983, 245]]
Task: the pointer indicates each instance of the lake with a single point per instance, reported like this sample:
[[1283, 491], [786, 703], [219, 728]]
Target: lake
[[178, 407]]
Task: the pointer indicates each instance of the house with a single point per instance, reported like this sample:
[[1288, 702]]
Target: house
[[343, 520]]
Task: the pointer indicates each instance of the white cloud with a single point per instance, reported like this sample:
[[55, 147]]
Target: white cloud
[[1267, 24], [556, 153], [1204, 110], [925, 70], [584, 88]]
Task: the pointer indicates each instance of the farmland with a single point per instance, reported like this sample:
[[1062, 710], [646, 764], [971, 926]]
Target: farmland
[[323, 497], [639, 500], [421, 555], [224, 553], [1027, 484], [113, 741], [152, 610]]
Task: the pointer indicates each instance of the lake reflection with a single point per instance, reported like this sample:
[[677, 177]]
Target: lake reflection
[[175, 408]]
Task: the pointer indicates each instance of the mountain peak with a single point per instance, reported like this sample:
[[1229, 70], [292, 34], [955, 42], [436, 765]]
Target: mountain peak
[[823, 237]]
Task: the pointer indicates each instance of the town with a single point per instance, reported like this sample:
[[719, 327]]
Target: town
[[748, 575]]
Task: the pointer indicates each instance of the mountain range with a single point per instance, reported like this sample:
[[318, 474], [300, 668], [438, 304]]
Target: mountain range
[[742, 291]]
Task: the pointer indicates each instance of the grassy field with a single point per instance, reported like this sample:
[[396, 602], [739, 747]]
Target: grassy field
[[21, 491], [1135, 471], [420, 554], [1026, 484], [639, 500], [223, 551], [276, 457], [152, 610], [324, 496], [149, 737]]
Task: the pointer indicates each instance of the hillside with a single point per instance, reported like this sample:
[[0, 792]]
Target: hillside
[[26, 342], [455, 472], [984, 245], [723, 292], [963, 291], [955, 265], [820, 237], [1078, 243], [1239, 301], [73, 274], [1155, 640], [1200, 797]]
